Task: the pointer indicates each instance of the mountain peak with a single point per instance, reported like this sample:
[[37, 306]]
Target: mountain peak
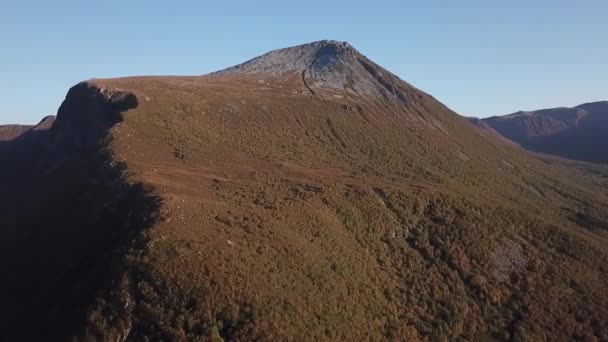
[[329, 65], [330, 42], [295, 58]]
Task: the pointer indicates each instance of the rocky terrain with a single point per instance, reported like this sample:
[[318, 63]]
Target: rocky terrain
[[307, 194], [576, 133]]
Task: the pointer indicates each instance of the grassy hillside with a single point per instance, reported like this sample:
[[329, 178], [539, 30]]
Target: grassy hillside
[[242, 207], [289, 215]]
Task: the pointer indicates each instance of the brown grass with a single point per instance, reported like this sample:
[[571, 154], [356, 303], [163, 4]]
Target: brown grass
[[291, 216]]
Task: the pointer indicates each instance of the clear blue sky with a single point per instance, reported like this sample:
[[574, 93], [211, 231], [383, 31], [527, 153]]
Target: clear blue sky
[[480, 57]]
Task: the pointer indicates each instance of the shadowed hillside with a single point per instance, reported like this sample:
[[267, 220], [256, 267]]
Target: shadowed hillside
[[308, 194], [70, 217]]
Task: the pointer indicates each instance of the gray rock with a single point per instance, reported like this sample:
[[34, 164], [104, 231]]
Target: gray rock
[[330, 65]]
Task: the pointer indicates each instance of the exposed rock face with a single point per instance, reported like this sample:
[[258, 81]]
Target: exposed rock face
[[87, 113], [578, 133], [330, 65]]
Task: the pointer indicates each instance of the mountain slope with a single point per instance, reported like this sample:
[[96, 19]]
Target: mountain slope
[[301, 207], [575, 133], [9, 132]]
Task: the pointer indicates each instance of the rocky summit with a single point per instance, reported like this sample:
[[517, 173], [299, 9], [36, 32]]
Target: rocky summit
[[332, 66]]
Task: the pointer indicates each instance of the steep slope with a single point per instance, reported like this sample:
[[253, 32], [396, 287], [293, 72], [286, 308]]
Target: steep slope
[[294, 206], [575, 133], [487, 130]]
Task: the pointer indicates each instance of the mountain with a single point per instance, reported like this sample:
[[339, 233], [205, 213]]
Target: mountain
[[575, 133], [487, 130], [329, 65], [305, 194], [9, 132]]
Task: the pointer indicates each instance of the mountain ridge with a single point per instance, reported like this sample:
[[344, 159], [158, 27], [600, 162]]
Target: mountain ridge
[[9, 132], [574, 133]]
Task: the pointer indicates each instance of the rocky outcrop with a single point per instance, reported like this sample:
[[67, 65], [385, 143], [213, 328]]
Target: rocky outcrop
[[87, 113]]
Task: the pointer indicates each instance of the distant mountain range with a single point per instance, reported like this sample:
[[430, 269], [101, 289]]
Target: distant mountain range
[[579, 133], [9, 132]]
